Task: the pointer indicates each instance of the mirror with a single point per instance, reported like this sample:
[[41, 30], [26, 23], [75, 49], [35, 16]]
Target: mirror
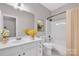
[[10, 24]]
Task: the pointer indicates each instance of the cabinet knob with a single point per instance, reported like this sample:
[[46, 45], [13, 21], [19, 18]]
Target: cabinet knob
[[24, 53]]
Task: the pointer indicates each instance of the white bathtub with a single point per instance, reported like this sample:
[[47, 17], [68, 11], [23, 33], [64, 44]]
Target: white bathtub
[[59, 48]]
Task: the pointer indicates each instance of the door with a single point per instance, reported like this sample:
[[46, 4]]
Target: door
[[10, 24]]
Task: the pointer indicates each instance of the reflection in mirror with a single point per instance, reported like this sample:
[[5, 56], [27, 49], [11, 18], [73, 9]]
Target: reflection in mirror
[[40, 25]]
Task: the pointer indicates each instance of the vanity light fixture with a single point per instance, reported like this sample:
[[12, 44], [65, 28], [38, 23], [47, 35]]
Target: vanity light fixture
[[18, 6]]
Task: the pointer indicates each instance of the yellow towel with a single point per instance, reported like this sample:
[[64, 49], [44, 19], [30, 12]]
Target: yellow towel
[[31, 32]]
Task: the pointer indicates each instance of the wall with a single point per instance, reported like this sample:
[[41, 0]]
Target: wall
[[64, 8], [34, 12], [40, 12], [23, 19], [61, 9], [1, 21]]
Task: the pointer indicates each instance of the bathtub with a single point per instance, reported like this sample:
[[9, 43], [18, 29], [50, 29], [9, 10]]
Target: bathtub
[[61, 49], [50, 48]]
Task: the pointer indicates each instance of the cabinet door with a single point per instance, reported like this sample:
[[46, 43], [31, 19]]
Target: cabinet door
[[39, 50], [26, 49], [9, 52], [30, 49]]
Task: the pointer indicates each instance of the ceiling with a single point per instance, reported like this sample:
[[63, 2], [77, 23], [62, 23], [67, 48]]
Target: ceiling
[[52, 6]]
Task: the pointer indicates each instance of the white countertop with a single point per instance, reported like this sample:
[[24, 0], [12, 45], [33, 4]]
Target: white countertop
[[13, 42]]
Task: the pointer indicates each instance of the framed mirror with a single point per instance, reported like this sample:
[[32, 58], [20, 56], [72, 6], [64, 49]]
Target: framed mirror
[[10, 23]]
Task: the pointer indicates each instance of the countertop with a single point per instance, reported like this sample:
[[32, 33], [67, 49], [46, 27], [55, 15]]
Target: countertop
[[13, 42]]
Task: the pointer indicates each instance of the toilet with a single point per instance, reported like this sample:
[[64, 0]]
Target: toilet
[[48, 47]]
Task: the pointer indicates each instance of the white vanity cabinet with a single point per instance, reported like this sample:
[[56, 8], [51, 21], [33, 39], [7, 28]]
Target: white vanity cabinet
[[27, 49], [13, 51], [31, 49]]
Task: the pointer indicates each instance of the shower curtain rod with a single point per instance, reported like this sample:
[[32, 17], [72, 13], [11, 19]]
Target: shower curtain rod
[[56, 15]]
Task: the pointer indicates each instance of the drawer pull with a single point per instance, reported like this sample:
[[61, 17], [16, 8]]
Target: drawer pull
[[23, 53]]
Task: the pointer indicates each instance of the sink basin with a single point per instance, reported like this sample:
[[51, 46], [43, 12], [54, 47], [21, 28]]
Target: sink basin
[[16, 41], [13, 40]]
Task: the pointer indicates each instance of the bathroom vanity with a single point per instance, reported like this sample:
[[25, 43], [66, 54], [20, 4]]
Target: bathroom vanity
[[24, 47]]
